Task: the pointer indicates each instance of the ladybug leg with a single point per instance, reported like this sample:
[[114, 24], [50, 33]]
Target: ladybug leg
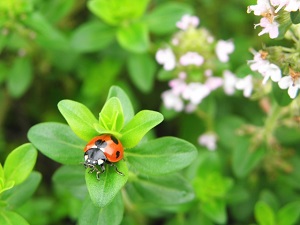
[[99, 172], [116, 168]]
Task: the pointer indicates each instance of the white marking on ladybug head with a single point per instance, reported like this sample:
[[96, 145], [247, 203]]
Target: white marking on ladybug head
[[86, 157], [100, 161]]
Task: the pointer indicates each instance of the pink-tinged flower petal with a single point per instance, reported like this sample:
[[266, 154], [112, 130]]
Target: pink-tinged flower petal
[[177, 85], [208, 140], [213, 83], [188, 21], [172, 101], [292, 5], [261, 7], [275, 72], [191, 58], [246, 85], [166, 58], [223, 49], [292, 91], [285, 82], [272, 28], [195, 92], [229, 82]]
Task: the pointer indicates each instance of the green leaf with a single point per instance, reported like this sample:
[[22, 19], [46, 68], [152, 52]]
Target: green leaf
[[19, 77], [103, 191], [170, 153], [19, 163], [264, 215], [215, 210], [162, 20], [295, 17], [169, 189], [58, 142], [289, 214], [80, 118], [115, 12], [112, 214], [127, 107], [141, 69], [111, 117], [72, 177], [281, 96], [92, 36], [11, 218], [244, 158], [133, 37], [16, 197], [140, 124]]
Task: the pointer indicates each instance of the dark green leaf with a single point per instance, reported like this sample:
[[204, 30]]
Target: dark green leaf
[[19, 163], [162, 19], [11, 218], [116, 91], [16, 197], [141, 69], [264, 215], [169, 189], [80, 118], [295, 17], [244, 158], [170, 153], [281, 96], [92, 36], [111, 214], [58, 142], [103, 191], [289, 214], [140, 124], [19, 77], [134, 37], [111, 117]]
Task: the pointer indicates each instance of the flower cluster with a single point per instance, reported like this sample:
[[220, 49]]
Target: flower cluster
[[269, 11], [192, 58]]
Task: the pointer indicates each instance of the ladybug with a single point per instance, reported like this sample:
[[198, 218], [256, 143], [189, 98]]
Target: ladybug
[[101, 150]]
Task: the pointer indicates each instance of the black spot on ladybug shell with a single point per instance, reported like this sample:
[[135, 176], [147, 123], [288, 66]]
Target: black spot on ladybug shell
[[100, 143], [115, 140], [117, 154]]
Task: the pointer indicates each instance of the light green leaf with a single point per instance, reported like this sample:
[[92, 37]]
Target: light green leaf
[[170, 153], [58, 142], [111, 117], [92, 36], [289, 214], [134, 37], [215, 210], [112, 214], [264, 215], [127, 107], [103, 191], [165, 190], [140, 124], [80, 118], [19, 77], [141, 69], [11, 218], [163, 18], [19, 163], [16, 197]]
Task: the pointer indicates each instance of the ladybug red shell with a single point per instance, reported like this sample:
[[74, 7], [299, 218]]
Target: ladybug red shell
[[101, 150]]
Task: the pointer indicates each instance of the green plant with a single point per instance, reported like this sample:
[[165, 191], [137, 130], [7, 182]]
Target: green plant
[[150, 167]]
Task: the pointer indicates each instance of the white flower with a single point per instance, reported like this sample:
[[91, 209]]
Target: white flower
[[290, 5], [172, 100], [229, 82], [188, 21], [213, 83], [262, 7], [223, 49], [191, 58], [177, 85], [258, 63], [208, 140], [291, 84], [273, 72], [269, 26], [246, 85], [195, 92], [166, 58]]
